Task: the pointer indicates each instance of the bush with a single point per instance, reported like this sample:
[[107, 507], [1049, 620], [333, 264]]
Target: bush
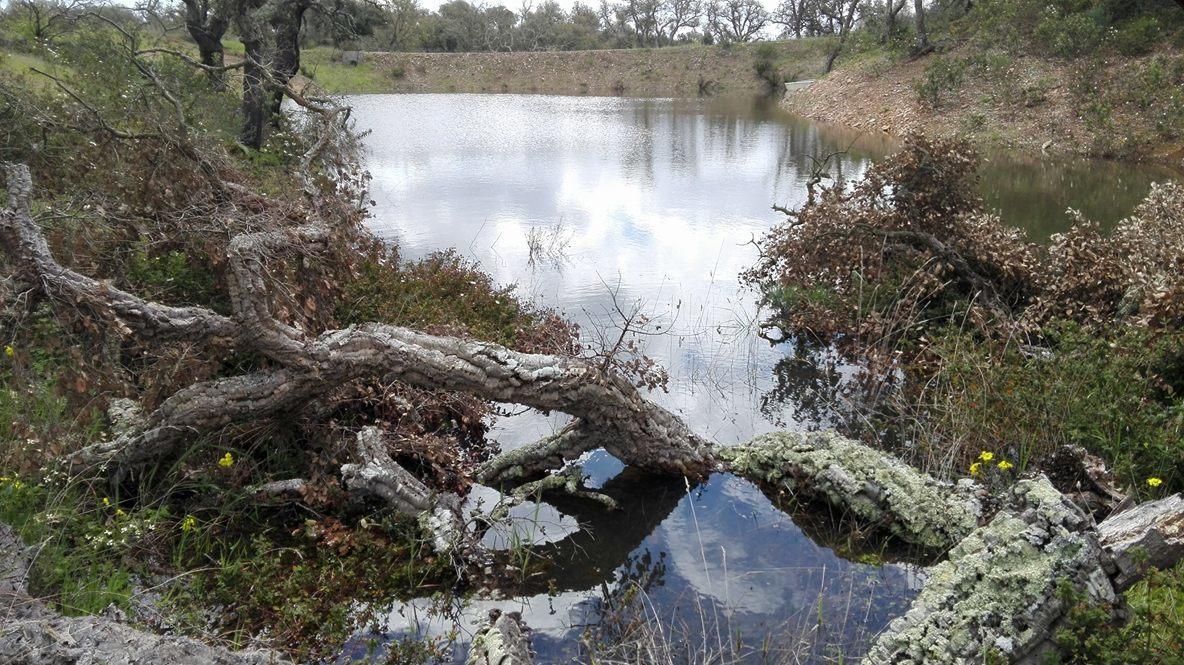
[[1070, 35], [1138, 36], [1005, 346], [1153, 634], [943, 78]]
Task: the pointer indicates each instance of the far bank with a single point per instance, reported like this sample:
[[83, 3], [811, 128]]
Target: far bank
[[680, 71]]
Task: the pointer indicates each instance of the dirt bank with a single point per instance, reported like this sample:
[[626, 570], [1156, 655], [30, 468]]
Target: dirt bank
[[1118, 108], [675, 71]]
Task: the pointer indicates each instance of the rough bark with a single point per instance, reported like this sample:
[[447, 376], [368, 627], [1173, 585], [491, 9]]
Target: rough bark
[[504, 640], [998, 592], [33, 634], [376, 474], [871, 486]]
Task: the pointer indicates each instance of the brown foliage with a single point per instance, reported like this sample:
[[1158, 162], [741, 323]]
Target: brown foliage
[[909, 246]]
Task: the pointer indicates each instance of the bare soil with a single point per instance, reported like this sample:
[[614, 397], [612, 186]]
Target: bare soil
[[1033, 104]]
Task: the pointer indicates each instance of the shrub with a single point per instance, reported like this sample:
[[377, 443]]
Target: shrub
[[1137, 36], [1005, 346], [1069, 35], [942, 79], [444, 293], [1113, 394], [1154, 633]]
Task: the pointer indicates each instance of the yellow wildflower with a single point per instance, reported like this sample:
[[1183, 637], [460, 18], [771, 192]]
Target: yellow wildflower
[[1005, 465], [986, 456], [189, 523], [227, 461], [974, 468], [9, 351], [1154, 482], [119, 512], [106, 501]]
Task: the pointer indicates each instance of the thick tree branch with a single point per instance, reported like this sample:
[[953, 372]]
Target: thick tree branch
[[25, 246], [630, 427]]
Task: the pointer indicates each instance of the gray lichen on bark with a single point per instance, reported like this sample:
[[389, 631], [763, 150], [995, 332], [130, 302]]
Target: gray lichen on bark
[[503, 640], [998, 589], [872, 485], [378, 475]]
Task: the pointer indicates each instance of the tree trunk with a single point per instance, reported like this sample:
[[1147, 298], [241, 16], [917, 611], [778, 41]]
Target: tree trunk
[[286, 24], [921, 45], [206, 25], [255, 99]]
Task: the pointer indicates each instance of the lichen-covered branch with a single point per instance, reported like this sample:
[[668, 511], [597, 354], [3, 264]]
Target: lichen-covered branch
[[503, 640], [999, 593], [629, 426], [25, 247], [872, 486], [376, 474]]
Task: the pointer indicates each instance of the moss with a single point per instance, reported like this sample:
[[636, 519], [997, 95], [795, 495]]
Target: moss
[[872, 485]]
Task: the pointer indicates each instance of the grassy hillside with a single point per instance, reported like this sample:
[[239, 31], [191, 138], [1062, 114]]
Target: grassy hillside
[[1021, 75], [689, 70]]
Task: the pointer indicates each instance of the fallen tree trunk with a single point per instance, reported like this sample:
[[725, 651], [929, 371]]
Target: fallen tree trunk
[[33, 634], [611, 412], [503, 640], [866, 484], [999, 592]]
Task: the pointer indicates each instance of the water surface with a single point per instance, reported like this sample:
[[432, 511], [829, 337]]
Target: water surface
[[653, 204]]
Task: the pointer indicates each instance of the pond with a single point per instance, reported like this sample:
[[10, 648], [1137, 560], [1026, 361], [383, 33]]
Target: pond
[[594, 206]]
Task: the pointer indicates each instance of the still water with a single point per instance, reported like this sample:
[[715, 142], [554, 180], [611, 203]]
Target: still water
[[652, 204]]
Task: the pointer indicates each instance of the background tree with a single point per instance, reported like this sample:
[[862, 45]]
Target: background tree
[[792, 15], [841, 15], [736, 20], [43, 20], [402, 26], [921, 45], [677, 15], [207, 21], [892, 9]]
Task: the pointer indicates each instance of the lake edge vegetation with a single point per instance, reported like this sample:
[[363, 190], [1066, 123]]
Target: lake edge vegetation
[[983, 355]]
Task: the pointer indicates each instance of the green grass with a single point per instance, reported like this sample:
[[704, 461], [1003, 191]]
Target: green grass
[[326, 69], [20, 64]]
